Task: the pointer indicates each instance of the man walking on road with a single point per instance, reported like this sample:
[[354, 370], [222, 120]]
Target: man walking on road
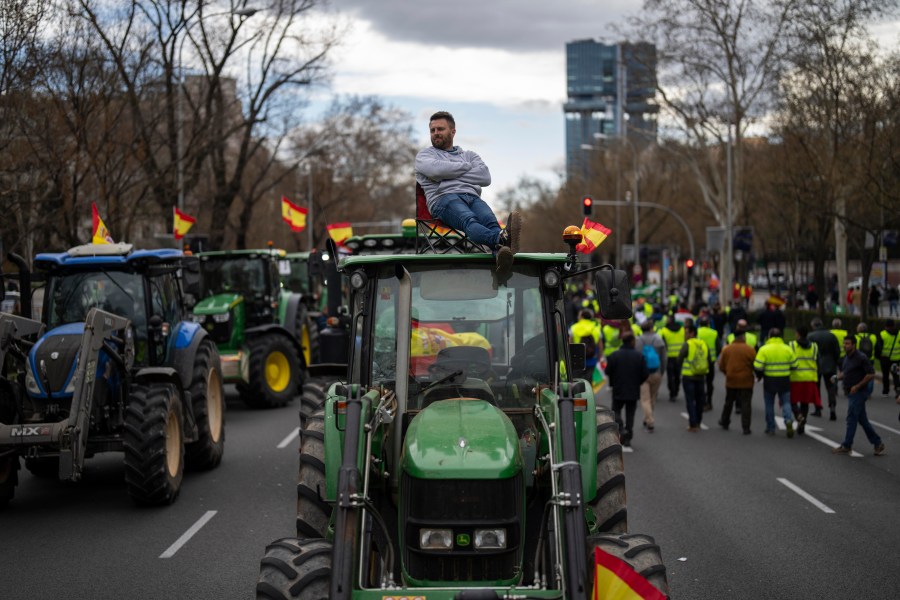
[[673, 335], [773, 365], [627, 370], [887, 350], [694, 358], [736, 361], [805, 378], [856, 373], [711, 338], [650, 344], [829, 355]]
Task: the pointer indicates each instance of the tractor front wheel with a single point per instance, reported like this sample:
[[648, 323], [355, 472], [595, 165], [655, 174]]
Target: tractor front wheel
[[274, 372], [313, 513], [608, 504], [208, 400], [295, 569], [640, 552], [154, 444]]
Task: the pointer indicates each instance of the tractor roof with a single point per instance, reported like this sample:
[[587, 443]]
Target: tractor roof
[[525, 257], [105, 254], [226, 254]]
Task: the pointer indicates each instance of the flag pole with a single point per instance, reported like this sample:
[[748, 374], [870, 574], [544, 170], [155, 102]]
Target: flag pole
[[309, 204]]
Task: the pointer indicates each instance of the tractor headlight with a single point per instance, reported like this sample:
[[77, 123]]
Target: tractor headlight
[[222, 318], [358, 280], [199, 319], [436, 539], [490, 539], [30, 383], [551, 278]]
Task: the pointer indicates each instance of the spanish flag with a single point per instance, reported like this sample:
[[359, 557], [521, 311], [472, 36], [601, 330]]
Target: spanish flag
[[339, 232], [101, 233], [614, 579], [183, 223], [293, 215], [593, 235]]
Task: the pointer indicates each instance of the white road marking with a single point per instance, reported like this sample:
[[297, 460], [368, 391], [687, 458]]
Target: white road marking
[[688, 419], [290, 438], [810, 432], [883, 426], [187, 535], [805, 495]]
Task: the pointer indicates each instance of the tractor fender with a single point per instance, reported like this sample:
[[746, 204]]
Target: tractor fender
[[187, 340], [275, 329], [171, 375], [294, 308]]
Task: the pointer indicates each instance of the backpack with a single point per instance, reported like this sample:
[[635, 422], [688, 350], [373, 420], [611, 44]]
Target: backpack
[[865, 346], [651, 356], [590, 347]]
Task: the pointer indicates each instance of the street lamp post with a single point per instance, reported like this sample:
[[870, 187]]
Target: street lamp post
[[179, 106]]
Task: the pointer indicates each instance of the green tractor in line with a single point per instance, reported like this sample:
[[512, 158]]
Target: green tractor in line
[[465, 457], [264, 332]]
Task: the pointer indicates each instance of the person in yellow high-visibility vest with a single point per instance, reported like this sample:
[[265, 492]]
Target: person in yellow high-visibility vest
[[887, 351], [773, 364], [840, 334], [673, 335], [805, 377], [711, 338], [694, 358], [587, 331]]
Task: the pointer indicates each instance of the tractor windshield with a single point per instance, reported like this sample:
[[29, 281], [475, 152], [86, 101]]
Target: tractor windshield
[[72, 295], [237, 275], [470, 335]]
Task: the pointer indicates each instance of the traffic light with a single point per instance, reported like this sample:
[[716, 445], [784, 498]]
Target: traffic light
[[587, 204], [689, 263]]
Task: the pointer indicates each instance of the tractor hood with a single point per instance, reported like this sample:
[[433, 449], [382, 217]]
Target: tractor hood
[[218, 304], [461, 439], [57, 351]]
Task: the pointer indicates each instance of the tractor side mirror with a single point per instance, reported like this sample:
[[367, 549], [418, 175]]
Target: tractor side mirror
[[315, 264], [577, 352], [191, 280], [613, 293]]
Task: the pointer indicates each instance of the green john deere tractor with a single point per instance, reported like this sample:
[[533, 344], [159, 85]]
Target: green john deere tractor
[[264, 332], [465, 457]]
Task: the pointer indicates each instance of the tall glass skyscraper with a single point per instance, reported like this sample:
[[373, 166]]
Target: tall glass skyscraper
[[611, 92]]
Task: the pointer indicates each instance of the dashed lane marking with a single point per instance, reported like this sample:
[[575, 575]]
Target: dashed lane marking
[[883, 426], [290, 438], [811, 432], [805, 495], [187, 535]]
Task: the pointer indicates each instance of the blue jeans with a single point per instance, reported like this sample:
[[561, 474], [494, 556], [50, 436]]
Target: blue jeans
[[856, 414], [786, 412], [469, 214], [695, 398]]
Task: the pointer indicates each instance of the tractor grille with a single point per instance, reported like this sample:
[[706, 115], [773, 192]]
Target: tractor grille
[[219, 332], [65, 349], [462, 505]]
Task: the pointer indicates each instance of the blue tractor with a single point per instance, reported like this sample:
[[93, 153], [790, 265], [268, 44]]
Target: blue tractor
[[114, 365]]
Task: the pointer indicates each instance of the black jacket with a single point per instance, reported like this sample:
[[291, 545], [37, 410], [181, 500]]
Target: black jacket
[[627, 370]]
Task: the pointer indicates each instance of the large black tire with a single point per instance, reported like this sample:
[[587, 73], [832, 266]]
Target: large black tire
[[295, 569], [154, 444], [313, 513], [608, 505], [641, 552], [208, 400], [9, 478], [308, 335], [274, 372], [313, 397]]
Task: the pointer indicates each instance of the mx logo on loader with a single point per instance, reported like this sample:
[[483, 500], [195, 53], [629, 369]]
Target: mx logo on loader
[[28, 430]]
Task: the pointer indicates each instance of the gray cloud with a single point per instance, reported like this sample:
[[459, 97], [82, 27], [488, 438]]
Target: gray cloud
[[517, 25]]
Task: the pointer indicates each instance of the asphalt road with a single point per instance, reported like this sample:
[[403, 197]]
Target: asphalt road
[[737, 516]]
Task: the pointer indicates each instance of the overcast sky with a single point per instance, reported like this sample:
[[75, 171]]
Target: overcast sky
[[497, 65]]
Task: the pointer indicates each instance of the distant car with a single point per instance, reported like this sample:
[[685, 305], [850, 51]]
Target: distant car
[[855, 284]]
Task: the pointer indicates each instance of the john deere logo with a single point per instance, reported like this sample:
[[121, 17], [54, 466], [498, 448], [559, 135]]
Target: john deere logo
[[463, 539]]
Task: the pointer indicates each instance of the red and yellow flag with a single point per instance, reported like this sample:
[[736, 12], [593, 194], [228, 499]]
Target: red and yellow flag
[[100, 233], [183, 223], [293, 215], [593, 235], [614, 579], [339, 232]]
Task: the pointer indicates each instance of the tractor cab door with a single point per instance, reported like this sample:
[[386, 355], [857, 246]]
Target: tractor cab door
[[165, 303]]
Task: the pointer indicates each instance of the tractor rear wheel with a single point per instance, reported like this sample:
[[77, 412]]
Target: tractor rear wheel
[[154, 444], [274, 371], [208, 400], [308, 335], [9, 478], [608, 505], [640, 552], [313, 512], [295, 569]]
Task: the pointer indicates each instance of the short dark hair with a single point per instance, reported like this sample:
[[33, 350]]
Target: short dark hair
[[627, 337], [851, 339], [443, 114], [586, 313], [802, 331]]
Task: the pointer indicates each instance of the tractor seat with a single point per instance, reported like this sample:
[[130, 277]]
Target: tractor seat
[[435, 237], [475, 364]]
